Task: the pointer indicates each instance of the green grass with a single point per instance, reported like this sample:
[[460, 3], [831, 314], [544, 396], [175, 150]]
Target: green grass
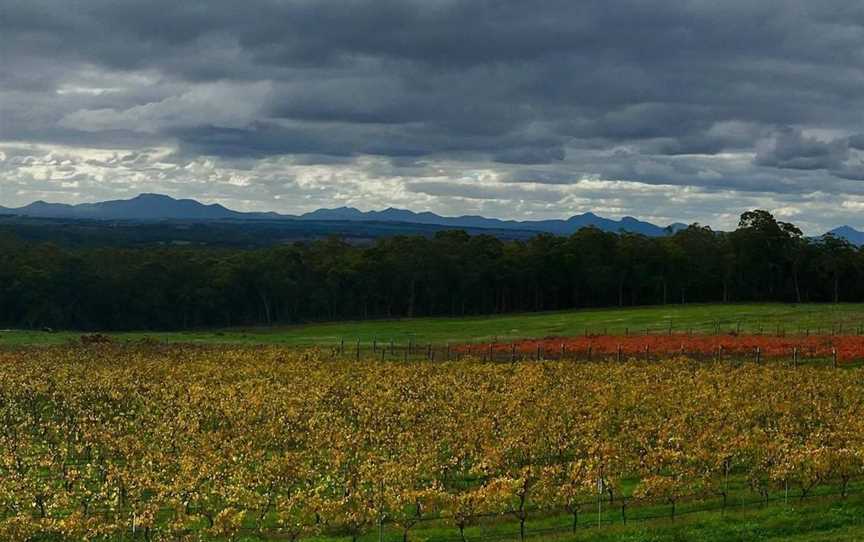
[[826, 518], [794, 522], [700, 318]]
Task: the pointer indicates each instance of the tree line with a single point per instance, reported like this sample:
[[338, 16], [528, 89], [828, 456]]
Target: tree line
[[448, 274]]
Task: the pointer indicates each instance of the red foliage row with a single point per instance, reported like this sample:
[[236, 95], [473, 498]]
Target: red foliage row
[[848, 347]]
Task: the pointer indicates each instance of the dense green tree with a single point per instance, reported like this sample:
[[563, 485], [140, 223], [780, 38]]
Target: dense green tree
[[449, 273]]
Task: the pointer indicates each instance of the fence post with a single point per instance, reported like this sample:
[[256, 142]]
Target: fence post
[[381, 514], [589, 352], [834, 356], [358, 349], [758, 355], [795, 356], [512, 352], [599, 501], [619, 353], [563, 350]]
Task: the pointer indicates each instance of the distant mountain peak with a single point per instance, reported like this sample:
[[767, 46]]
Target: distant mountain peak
[[151, 195], [849, 233]]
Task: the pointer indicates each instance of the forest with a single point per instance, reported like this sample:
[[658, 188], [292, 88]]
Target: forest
[[43, 285]]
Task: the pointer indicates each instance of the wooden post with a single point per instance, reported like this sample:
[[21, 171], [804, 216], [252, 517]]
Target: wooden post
[[358, 349], [589, 352], [538, 351], [795, 356], [512, 352], [619, 353], [834, 356], [647, 352], [342, 346], [758, 355], [563, 350]]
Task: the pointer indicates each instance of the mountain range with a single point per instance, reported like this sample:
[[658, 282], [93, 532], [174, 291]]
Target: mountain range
[[154, 207], [157, 207]]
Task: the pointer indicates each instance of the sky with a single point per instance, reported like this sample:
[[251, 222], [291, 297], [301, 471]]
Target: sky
[[666, 110]]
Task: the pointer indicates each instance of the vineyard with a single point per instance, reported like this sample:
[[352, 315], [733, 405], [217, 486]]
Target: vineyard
[[158, 442]]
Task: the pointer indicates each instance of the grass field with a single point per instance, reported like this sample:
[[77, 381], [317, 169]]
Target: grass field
[[819, 519], [698, 318], [837, 521]]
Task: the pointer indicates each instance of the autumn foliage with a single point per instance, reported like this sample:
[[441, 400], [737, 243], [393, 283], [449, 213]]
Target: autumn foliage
[[167, 443], [846, 347]]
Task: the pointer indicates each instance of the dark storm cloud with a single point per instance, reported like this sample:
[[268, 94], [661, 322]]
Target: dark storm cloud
[[752, 96], [621, 71], [792, 150]]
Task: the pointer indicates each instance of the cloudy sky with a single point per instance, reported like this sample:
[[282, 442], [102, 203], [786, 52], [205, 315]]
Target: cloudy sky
[[664, 110]]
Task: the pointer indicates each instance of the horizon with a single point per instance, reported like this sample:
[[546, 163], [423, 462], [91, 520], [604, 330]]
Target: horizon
[[415, 212], [681, 112]]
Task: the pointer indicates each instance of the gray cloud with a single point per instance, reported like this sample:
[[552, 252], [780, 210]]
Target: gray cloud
[[792, 150], [494, 97]]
